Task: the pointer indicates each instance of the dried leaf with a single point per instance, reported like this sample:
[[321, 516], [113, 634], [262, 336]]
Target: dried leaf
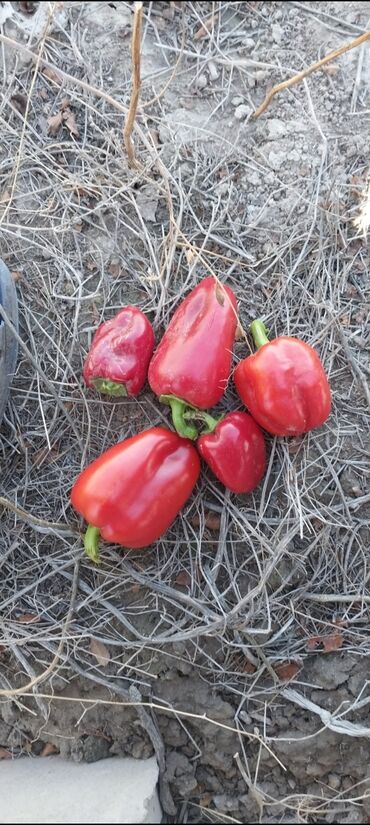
[[49, 749], [287, 671], [2, 649], [27, 6], [45, 455], [313, 642], [5, 754], [239, 333], [99, 650], [28, 618], [206, 27], [5, 196], [16, 275], [220, 295], [54, 123], [183, 578], [333, 642], [339, 622], [249, 667], [212, 521], [190, 256], [70, 121], [52, 75], [114, 268], [19, 102]]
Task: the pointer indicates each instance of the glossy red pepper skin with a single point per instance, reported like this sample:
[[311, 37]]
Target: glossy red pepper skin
[[235, 451], [284, 387], [134, 491], [193, 359], [118, 360]]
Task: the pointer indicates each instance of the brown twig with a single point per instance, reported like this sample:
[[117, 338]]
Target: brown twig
[[136, 83], [292, 81]]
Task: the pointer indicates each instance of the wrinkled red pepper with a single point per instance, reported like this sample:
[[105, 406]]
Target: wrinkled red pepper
[[192, 364], [234, 448], [283, 385], [117, 363], [134, 491]]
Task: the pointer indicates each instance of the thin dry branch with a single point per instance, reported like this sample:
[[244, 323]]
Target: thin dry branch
[[292, 81], [136, 83]]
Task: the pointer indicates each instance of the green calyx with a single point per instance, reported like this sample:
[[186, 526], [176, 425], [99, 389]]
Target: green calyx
[[107, 387], [184, 416], [259, 333], [208, 420], [91, 543], [179, 409]]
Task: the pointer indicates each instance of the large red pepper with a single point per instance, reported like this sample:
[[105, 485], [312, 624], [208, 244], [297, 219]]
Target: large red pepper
[[234, 448], [283, 384], [192, 363], [117, 363], [134, 491]]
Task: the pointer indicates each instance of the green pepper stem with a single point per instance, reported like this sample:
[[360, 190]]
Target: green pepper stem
[[91, 543], [107, 387], [259, 333], [178, 409], [200, 415]]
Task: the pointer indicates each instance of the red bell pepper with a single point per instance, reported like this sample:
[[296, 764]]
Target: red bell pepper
[[117, 363], [283, 384], [192, 364], [234, 448], [134, 491]]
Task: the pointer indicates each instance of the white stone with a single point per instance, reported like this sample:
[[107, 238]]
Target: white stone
[[202, 81], [276, 159], [52, 790], [248, 43], [213, 71], [275, 128], [277, 33], [241, 112]]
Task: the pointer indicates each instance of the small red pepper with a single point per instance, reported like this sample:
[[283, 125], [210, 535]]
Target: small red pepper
[[283, 384], [117, 363], [134, 491], [192, 364], [234, 448]]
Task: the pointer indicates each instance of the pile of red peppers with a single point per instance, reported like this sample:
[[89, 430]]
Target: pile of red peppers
[[133, 492]]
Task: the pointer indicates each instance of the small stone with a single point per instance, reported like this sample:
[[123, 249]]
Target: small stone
[[242, 112], [202, 81], [237, 100], [275, 128], [276, 160], [277, 33], [213, 71], [225, 803], [334, 781], [248, 43], [260, 75]]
